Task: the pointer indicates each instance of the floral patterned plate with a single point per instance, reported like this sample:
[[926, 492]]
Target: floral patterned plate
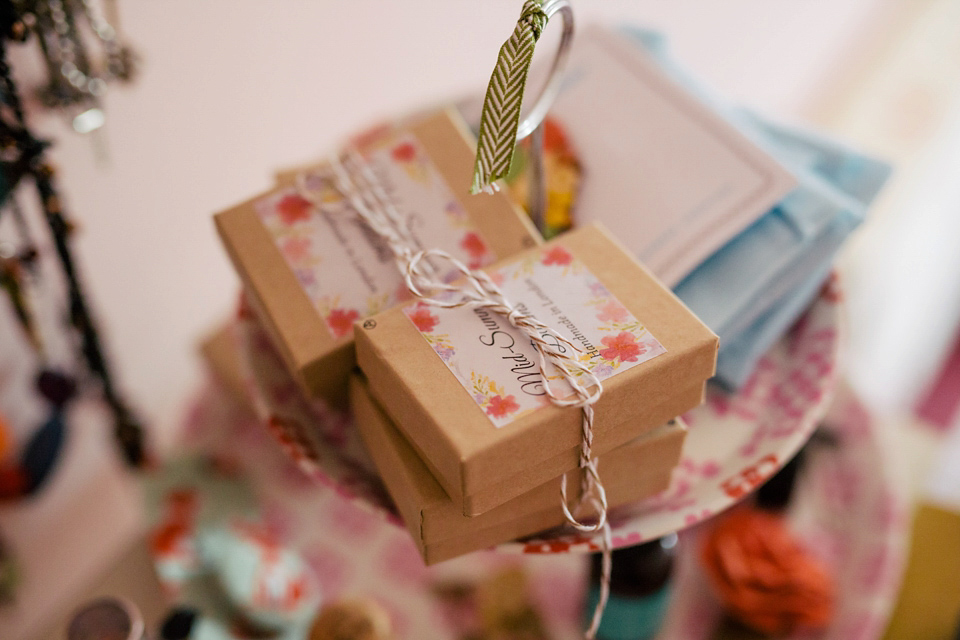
[[735, 442]]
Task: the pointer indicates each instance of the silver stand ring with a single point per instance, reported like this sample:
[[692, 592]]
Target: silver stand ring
[[552, 86]]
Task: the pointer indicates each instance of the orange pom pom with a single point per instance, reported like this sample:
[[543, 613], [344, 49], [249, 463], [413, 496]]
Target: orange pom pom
[[764, 577]]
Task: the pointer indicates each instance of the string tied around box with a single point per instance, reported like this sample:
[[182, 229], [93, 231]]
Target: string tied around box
[[355, 182], [500, 129], [361, 192]]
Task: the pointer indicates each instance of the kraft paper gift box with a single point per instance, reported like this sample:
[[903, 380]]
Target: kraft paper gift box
[[465, 389], [311, 274], [631, 472], [219, 352]]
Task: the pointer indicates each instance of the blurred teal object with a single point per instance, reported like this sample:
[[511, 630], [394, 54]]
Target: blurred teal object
[[267, 582], [216, 556], [640, 587], [630, 618]]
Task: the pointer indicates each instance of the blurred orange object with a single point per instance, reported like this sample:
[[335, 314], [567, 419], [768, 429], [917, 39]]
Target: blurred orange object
[[563, 176], [352, 620], [6, 437], [764, 577], [13, 481]]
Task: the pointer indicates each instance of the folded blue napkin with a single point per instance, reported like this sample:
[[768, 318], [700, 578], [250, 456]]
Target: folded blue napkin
[[756, 286]]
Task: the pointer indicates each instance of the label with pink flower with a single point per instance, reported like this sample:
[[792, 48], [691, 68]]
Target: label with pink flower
[[499, 367], [345, 269]]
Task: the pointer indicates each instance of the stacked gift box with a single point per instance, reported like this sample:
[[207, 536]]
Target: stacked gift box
[[738, 216], [469, 467], [491, 447]]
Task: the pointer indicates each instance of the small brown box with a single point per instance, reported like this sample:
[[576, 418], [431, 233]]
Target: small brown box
[[304, 268], [631, 472], [219, 351], [456, 438]]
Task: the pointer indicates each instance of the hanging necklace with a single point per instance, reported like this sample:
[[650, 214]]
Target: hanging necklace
[[77, 76], [22, 156]]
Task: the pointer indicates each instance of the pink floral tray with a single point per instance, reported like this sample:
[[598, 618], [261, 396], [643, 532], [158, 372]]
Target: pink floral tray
[[735, 442], [847, 507], [849, 510]]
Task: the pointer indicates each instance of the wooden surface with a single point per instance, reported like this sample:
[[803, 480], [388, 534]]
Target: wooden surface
[[929, 605]]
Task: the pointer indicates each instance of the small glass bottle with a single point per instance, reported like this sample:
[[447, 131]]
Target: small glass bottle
[[639, 590]]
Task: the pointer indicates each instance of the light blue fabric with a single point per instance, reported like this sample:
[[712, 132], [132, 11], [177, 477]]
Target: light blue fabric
[[741, 352], [757, 285]]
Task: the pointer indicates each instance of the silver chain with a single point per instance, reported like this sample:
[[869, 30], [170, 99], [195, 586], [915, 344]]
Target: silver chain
[[77, 83], [117, 64]]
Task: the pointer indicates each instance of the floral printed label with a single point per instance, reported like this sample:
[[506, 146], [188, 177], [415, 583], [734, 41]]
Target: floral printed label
[[345, 269], [498, 366]]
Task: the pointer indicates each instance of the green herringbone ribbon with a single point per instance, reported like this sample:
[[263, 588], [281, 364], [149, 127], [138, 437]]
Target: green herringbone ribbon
[[501, 107]]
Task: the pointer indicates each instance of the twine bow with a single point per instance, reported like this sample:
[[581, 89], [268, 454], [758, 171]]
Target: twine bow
[[500, 118]]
